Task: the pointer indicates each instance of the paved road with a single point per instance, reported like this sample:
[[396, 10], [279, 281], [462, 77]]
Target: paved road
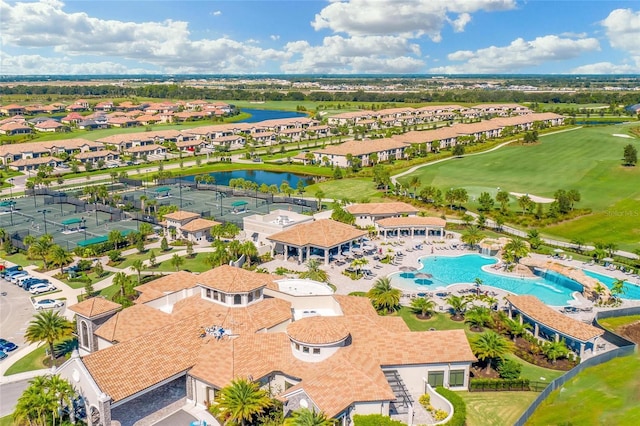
[[9, 394]]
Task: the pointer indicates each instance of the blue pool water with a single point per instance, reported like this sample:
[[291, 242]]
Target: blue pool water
[[267, 114], [258, 176], [631, 291], [553, 289]]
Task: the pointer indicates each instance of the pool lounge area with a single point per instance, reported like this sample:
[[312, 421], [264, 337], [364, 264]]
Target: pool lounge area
[[553, 289]]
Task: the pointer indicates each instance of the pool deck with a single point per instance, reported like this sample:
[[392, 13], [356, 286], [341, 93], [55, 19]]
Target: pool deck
[[448, 247]]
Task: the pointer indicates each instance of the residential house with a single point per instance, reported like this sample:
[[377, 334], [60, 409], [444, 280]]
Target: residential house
[[12, 109], [15, 128], [49, 126], [367, 214], [385, 149], [95, 157]]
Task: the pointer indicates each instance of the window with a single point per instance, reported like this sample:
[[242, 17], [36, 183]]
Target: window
[[208, 293], [456, 378], [223, 297], [237, 299], [297, 347], [250, 297], [305, 349], [435, 378], [316, 351], [84, 334], [287, 385], [216, 295], [257, 294]]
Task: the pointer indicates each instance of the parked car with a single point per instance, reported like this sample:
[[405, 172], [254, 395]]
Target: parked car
[[26, 284], [16, 276], [41, 288], [48, 304], [3, 355], [4, 271], [22, 279], [9, 274], [7, 346]]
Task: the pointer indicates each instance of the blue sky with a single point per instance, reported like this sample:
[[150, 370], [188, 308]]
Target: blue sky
[[308, 36]]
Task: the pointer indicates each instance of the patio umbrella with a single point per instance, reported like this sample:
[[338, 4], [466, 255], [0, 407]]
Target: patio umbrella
[[408, 269], [558, 250], [423, 275], [423, 281]]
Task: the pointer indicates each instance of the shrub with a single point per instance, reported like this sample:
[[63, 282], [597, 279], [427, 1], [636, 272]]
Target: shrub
[[114, 255], [509, 369], [499, 384], [374, 420], [440, 415], [459, 408], [425, 400]]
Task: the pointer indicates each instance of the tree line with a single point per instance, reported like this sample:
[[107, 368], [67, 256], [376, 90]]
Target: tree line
[[176, 91]]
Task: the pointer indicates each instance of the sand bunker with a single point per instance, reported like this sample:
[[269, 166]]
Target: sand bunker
[[534, 198], [618, 135]]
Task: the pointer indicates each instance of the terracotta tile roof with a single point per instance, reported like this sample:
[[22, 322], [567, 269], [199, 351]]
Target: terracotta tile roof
[[145, 148], [95, 306], [381, 208], [230, 279], [364, 147], [325, 233], [132, 322], [355, 305], [146, 360], [533, 308], [181, 215], [167, 284], [422, 136], [95, 154], [68, 144], [34, 161], [199, 225], [411, 221], [318, 330]]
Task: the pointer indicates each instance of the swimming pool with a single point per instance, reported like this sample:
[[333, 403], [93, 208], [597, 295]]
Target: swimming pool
[[553, 289], [631, 291]]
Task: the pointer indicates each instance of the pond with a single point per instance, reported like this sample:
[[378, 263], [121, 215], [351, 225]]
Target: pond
[[259, 176], [267, 114]]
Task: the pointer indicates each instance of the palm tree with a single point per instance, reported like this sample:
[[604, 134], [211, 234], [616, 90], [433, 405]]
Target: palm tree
[[422, 307], [490, 346], [59, 257], [35, 403], [517, 248], [307, 417], [123, 281], [249, 250], [177, 261], [64, 391], [49, 327], [459, 306], [241, 401], [516, 329], [414, 183], [472, 236], [319, 196], [478, 317], [115, 238], [40, 248], [617, 288], [138, 266], [554, 350], [385, 298], [314, 272], [358, 264]]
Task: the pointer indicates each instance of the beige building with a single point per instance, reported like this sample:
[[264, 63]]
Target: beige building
[[367, 214], [385, 149], [259, 227], [309, 347], [189, 226]]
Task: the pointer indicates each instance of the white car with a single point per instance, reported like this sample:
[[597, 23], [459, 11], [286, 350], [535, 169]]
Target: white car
[[41, 288], [48, 304], [14, 278]]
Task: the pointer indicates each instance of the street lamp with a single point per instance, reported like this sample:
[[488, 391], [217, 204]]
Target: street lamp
[[44, 215], [84, 227], [96, 207], [10, 188], [11, 206], [180, 187]]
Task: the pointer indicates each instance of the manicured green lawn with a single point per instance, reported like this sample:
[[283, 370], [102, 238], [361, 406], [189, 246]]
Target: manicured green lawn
[[94, 279], [354, 189], [437, 321], [615, 323], [495, 408], [535, 373], [606, 394], [21, 259], [194, 264], [6, 420], [586, 159], [31, 361]]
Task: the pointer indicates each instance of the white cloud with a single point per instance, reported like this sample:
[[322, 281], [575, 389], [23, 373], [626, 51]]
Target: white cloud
[[408, 17], [623, 30], [39, 65], [216, 13], [517, 55], [358, 54], [166, 45], [606, 68], [274, 37]]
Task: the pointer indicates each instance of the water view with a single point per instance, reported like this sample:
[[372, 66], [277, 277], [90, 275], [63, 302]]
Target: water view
[[631, 291], [267, 114], [259, 176], [553, 289]]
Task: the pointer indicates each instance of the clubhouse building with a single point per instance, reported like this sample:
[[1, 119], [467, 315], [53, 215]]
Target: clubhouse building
[[193, 334]]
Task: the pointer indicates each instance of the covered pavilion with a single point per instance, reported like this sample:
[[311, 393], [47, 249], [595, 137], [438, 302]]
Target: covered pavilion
[[411, 226], [551, 324], [321, 238]]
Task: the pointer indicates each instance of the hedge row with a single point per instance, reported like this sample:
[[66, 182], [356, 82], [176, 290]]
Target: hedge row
[[375, 420], [498, 384], [459, 407]]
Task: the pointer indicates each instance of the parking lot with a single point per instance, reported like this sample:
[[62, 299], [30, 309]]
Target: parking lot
[[16, 311]]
